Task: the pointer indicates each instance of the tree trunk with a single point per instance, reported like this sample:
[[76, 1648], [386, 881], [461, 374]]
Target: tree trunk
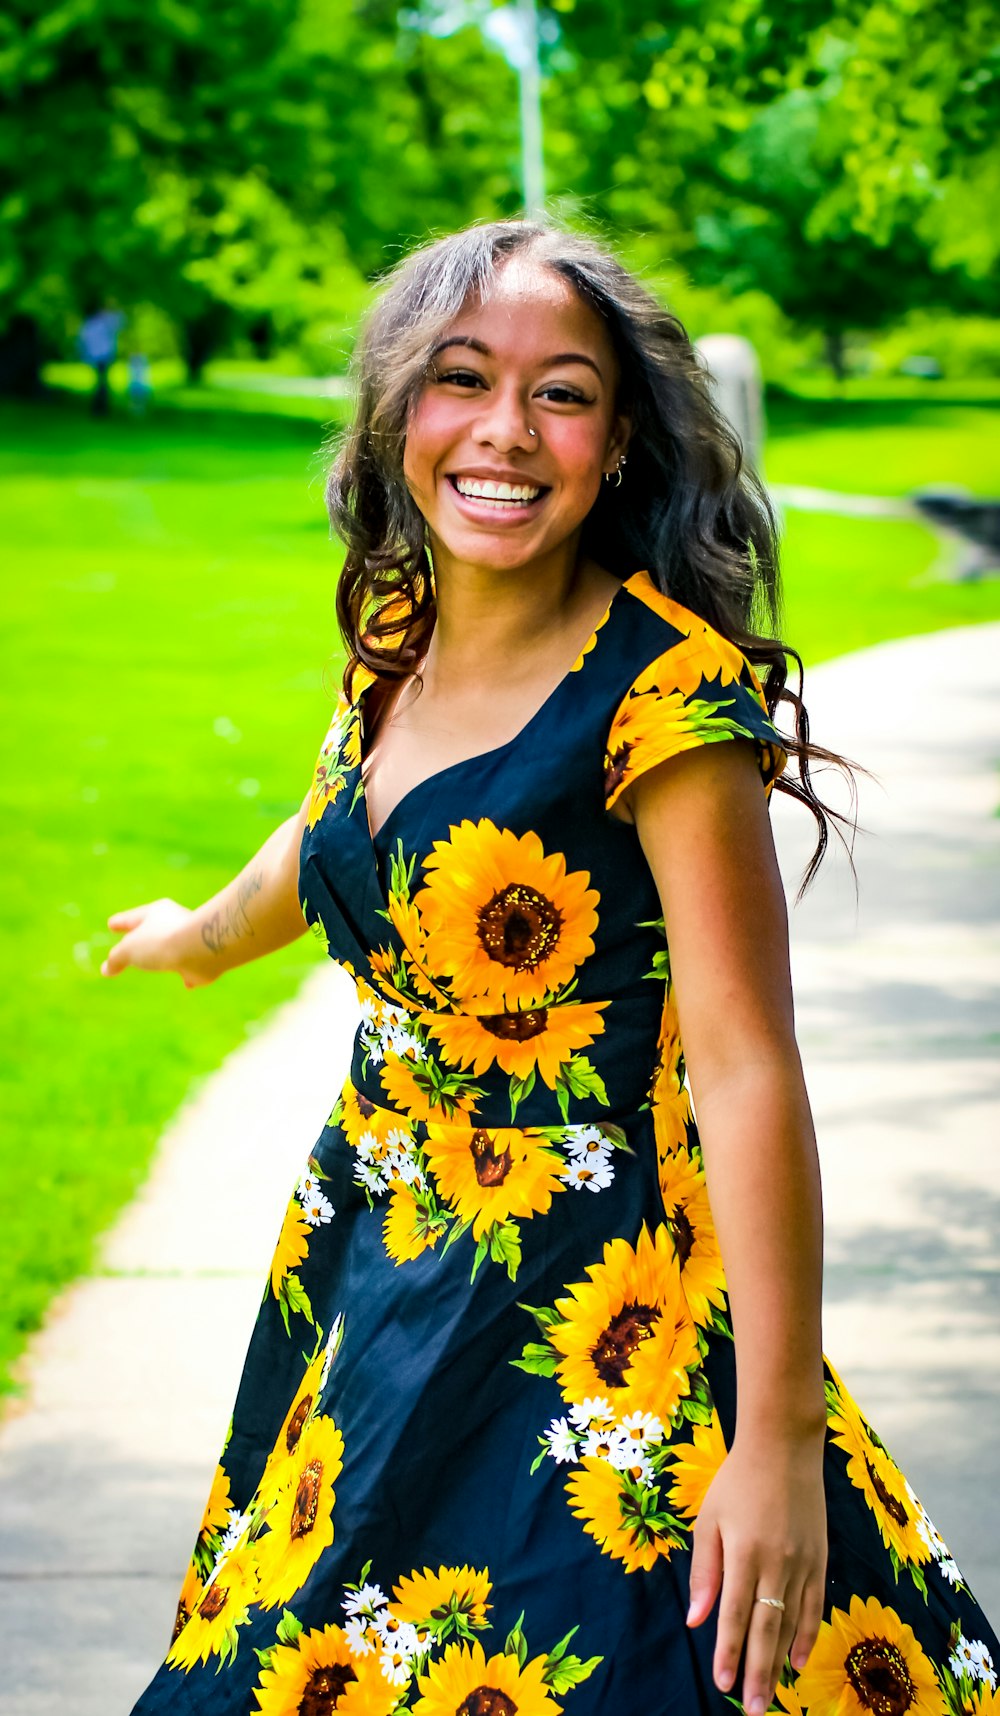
[[21, 358], [836, 355], [203, 335]]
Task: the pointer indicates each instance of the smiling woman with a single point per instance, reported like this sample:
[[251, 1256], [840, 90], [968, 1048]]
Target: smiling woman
[[538, 838]]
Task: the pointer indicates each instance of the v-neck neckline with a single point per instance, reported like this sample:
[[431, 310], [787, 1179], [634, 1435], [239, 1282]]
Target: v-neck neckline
[[431, 780]]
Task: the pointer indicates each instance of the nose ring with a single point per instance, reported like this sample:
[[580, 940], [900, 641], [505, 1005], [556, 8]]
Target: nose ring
[[533, 432]]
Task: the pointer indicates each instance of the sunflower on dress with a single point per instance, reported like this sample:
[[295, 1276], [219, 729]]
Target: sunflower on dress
[[222, 1608], [626, 1353], [866, 1659], [451, 1602], [505, 925], [872, 1471], [318, 1672], [299, 1521], [694, 1465]]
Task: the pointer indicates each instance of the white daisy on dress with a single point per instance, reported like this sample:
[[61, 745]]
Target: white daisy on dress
[[395, 1667], [308, 1187], [366, 1602], [950, 1570], [318, 1210], [983, 1662], [605, 1442], [643, 1427], [963, 1659], [589, 1176], [235, 1527], [370, 1175], [368, 1146], [562, 1441], [590, 1411], [359, 1641], [622, 1452], [400, 1638]]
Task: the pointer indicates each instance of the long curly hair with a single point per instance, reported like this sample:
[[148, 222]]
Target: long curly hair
[[692, 513]]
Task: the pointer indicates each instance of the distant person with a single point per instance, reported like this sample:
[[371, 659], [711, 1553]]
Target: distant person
[[139, 391], [98, 345]]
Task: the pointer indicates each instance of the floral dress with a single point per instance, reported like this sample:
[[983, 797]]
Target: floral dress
[[493, 1371]]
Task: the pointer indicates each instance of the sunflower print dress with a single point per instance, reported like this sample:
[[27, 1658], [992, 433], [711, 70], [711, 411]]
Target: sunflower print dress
[[493, 1373]]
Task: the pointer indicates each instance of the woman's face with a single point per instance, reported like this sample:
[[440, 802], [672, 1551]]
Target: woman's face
[[534, 357]]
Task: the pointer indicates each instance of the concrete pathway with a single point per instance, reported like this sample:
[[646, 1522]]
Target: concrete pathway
[[103, 1471]]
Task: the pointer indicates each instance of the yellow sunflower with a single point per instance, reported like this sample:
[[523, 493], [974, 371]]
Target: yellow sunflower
[[628, 1330], [404, 1234], [360, 1116], [293, 1244], [695, 1465], [278, 1469], [788, 1701], [411, 1090], [221, 1608], [598, 1496], [218, 1505], [702, 652], [505, 923], [689, 1218], [646, 730], [405, 920], [187, 1602], [984, 1701], [318, 1675], [433, 1597], [869, 1660], [536, 1038], [300, 1521], [340, 752], [880, 1481], [487, 1176], [462, 1681]]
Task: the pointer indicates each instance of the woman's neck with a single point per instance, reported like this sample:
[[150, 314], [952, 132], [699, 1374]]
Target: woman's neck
[[492, 624]]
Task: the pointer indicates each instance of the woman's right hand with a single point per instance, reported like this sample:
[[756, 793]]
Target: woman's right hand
[[154, 939]]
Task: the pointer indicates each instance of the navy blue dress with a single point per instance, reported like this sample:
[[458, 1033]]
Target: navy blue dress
[[493, 1374]]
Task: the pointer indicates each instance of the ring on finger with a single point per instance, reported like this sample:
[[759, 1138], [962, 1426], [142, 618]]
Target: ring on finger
[[771, 1602]]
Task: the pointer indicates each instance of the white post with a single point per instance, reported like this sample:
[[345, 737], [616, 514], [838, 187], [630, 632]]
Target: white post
[[530, 84]]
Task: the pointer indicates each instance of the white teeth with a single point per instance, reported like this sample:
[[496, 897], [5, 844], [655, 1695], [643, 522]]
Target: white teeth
[[507, 492]]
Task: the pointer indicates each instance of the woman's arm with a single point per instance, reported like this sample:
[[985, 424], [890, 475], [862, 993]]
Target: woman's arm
[[256, 913], [703, 823]]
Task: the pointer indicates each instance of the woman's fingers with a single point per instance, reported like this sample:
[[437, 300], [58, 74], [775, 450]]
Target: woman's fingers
[[706, 1571], [763, 1641], [809, 1618], [122, 922], [734, 1618]]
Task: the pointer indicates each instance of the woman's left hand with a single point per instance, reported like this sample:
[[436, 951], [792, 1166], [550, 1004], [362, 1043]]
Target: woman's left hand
[[761, 1532]]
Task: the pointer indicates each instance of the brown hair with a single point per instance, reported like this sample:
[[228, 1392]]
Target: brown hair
[[691, 514]]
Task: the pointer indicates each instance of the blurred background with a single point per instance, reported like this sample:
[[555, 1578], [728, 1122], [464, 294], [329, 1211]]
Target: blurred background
[[195, 203]]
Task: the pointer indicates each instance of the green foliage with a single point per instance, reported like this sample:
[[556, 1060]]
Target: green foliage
[[245, 169]]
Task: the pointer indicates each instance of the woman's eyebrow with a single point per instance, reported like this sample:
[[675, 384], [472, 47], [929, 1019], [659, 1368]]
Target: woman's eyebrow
[[548, 363]]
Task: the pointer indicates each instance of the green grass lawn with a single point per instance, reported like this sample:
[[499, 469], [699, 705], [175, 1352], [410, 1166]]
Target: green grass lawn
[[170, 630]]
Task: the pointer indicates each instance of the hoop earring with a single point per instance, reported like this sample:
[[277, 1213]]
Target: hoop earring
[[615, 476]]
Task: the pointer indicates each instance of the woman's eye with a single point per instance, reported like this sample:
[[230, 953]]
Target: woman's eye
[[458, 377], [561, 395]]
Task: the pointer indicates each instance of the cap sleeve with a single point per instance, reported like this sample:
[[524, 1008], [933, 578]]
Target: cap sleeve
[[699, 691], [339, 754]]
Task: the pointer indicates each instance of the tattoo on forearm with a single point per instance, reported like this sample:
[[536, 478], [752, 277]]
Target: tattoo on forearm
[[230, 923]]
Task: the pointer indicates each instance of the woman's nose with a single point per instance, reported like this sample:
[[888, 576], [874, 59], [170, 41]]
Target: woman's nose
[[504, 423]]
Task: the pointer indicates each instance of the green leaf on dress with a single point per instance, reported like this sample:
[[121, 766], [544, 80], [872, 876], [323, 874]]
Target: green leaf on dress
[[289, 1628], [537, 1360]]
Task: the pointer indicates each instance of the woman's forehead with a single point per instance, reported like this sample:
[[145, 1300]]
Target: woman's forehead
[[525, 308]]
